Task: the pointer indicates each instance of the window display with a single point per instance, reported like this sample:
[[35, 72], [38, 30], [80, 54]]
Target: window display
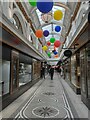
[[24, 73]]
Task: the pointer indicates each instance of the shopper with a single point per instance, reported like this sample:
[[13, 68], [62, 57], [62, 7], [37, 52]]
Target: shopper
[[52, 72], [49, 69], [61, 71], [43, 72]]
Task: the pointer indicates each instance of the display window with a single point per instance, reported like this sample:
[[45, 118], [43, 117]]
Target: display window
[[85, 71], [24, 73]]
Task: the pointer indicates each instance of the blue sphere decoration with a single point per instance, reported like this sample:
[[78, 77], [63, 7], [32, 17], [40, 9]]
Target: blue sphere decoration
[[57, 28], [46, 33], [55, 52], [43, 6]]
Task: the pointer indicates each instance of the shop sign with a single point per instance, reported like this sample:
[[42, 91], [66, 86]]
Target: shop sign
[[67, 53]]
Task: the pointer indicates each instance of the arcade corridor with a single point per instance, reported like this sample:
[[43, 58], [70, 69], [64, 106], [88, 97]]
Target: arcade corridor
[[39, 38]]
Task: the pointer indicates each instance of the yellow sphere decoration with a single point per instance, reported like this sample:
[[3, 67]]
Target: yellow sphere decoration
[[58, 15], [45, 48]]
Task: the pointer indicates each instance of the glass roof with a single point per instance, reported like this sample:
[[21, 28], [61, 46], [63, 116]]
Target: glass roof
[[52, 24], [53, 10], [64, 1]]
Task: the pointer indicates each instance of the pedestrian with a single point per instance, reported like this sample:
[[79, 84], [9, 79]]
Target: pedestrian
[[43, 72], [61, 71], [49, 69], [52, 72]]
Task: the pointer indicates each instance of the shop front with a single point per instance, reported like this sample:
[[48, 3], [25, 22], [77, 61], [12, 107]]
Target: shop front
[[85, 74], [16, 70], [16, 74]]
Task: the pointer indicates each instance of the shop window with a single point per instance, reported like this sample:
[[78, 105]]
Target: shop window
[[24, 73]]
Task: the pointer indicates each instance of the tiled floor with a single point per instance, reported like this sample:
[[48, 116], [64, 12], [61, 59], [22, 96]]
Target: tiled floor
[[46, 99]]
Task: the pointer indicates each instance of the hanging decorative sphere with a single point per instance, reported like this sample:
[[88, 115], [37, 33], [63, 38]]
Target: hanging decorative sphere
[[57, 43], [57, 28], [56, 56], [46, 33], [45, 48], [58, 15], [52, 40], [39, 33], [55, 52], [49, 54], [48, 43], [32, 2], [43, 6]]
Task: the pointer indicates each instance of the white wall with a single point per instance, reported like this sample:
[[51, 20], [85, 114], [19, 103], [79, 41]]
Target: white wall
[[6, 75]]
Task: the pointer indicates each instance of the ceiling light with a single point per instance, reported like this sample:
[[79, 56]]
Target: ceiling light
[[46, 17]]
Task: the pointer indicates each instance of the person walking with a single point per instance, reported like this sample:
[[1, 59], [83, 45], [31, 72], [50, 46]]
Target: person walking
[[61, 71], [52, 72], [49, 69], [43, 72]]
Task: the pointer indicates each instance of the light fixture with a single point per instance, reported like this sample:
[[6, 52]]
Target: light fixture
[[46, 17]]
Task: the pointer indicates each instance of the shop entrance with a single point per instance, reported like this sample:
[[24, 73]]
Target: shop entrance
[[14, 71]]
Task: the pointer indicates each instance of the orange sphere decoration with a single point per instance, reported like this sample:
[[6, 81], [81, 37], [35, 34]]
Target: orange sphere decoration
[[57, 43], [39, 33], [56, 56], [48, 43]]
